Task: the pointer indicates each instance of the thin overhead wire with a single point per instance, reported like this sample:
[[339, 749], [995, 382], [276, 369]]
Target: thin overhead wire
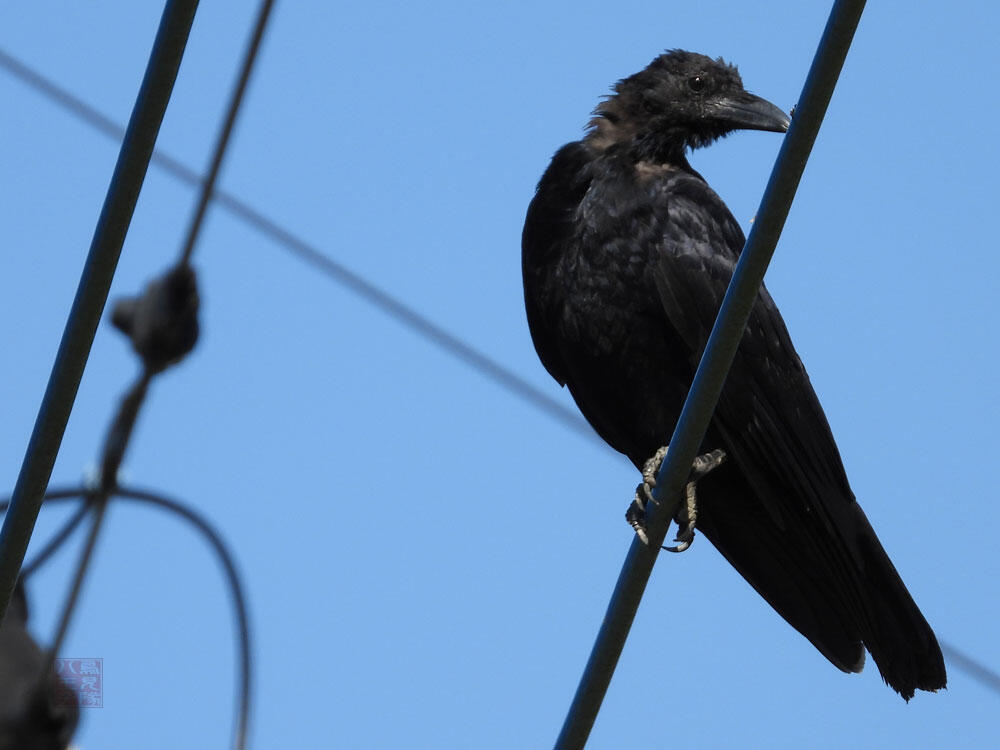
[[92, 292], [113, 454], [377, 297], [219, 152], [56, 541], [239, 597], [120, 433], [244, 687], [711, 373], [339, 273], [971, 666]]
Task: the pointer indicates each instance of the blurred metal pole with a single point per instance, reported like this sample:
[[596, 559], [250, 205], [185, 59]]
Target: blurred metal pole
[[92, 292], [711, 374]]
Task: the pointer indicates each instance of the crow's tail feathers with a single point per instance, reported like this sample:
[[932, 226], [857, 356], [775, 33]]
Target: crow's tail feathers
[[840, 591], [900, 640]]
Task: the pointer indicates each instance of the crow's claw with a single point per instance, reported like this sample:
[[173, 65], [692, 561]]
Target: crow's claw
[[687, 515]]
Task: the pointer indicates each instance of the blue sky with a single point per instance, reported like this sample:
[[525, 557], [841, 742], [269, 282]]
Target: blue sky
[[428, 558]]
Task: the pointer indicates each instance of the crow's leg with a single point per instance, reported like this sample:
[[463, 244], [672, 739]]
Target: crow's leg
[[687, 515], [636, 513]]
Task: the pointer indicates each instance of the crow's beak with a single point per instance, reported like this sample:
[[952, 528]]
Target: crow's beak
[[748, 112]]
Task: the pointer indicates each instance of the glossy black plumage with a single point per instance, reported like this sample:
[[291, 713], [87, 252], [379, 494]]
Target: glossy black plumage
[[627, 253]]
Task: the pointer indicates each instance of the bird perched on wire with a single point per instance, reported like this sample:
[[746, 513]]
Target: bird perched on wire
[[626, 256]]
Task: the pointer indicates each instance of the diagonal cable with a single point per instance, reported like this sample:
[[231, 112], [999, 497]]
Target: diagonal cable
[[341, 274], [211, 535], [711, 373], [219, 152], [173, 320], [971, 666], [92, 292]]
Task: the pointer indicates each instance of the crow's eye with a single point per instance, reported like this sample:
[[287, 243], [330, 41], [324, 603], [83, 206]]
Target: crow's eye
[[696, 84], [648, 106]]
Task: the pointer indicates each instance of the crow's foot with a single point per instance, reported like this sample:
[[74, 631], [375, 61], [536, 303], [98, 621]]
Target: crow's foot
[[688, 513]]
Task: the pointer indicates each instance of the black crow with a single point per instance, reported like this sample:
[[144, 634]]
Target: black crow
[[626, 254]]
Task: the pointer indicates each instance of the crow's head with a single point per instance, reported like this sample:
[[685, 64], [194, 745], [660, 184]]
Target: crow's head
[[681, 100]]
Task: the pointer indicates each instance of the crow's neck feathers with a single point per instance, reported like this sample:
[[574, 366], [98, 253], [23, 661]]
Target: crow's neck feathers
[[669, 107]]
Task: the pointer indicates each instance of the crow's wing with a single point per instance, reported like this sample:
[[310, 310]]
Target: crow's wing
[[793, 527], [548, 227]]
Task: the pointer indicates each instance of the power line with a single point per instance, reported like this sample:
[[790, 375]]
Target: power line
[[971, 666], [162, 325], [353, 282], [92, 292], [712, 370], [219, 152], [211, 535], [57, 540], [235, 585], [377, 297]]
